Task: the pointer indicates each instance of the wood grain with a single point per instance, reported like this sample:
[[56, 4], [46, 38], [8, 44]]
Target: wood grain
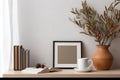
[[66, 73]]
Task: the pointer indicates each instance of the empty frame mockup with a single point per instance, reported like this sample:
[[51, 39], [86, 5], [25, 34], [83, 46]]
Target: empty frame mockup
[[66, 53]]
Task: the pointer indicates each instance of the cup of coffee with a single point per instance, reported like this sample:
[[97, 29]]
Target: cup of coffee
[[84, 64]]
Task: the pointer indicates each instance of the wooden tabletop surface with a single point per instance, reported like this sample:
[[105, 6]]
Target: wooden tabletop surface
[[66, 73]]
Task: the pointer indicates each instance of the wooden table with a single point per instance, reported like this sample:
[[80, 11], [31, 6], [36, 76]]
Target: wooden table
[[65, 73]]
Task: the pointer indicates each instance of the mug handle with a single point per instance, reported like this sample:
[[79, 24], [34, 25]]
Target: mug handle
[[90, 64]]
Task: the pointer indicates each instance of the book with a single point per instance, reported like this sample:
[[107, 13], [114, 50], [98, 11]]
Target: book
[[33, 70], [23, 59], [20, 47], [27, 58], [15, 57]]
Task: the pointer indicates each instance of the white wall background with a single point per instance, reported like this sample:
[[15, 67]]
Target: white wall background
[[43, 21]]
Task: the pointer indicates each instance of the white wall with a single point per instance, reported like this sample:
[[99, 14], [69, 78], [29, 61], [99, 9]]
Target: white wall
[[43, 21]]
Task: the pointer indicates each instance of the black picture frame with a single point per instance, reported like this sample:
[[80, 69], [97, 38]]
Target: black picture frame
[[65, 48]]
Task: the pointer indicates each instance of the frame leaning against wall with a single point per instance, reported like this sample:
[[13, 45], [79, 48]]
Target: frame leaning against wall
[[66, 53]]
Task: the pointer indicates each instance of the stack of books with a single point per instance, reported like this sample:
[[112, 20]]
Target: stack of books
[[21, 58]]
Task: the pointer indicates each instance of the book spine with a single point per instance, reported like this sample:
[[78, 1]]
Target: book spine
[[15, 58], [27, 57], [24, 59], [19, 57]]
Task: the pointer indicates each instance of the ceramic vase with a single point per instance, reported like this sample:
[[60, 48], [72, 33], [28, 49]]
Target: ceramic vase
[[102, 58]]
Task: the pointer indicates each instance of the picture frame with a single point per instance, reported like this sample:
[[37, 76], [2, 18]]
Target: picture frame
[[66, 53]]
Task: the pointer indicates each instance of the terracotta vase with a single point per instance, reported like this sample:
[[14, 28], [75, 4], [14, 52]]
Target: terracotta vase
[[102, 59]]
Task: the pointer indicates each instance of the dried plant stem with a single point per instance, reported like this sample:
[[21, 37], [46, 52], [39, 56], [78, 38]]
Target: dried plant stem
[[103, 27]]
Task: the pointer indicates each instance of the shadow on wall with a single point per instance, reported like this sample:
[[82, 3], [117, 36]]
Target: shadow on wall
[[115, 50], [84, 53]]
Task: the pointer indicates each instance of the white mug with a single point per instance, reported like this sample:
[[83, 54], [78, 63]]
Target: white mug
[[84, 63]]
